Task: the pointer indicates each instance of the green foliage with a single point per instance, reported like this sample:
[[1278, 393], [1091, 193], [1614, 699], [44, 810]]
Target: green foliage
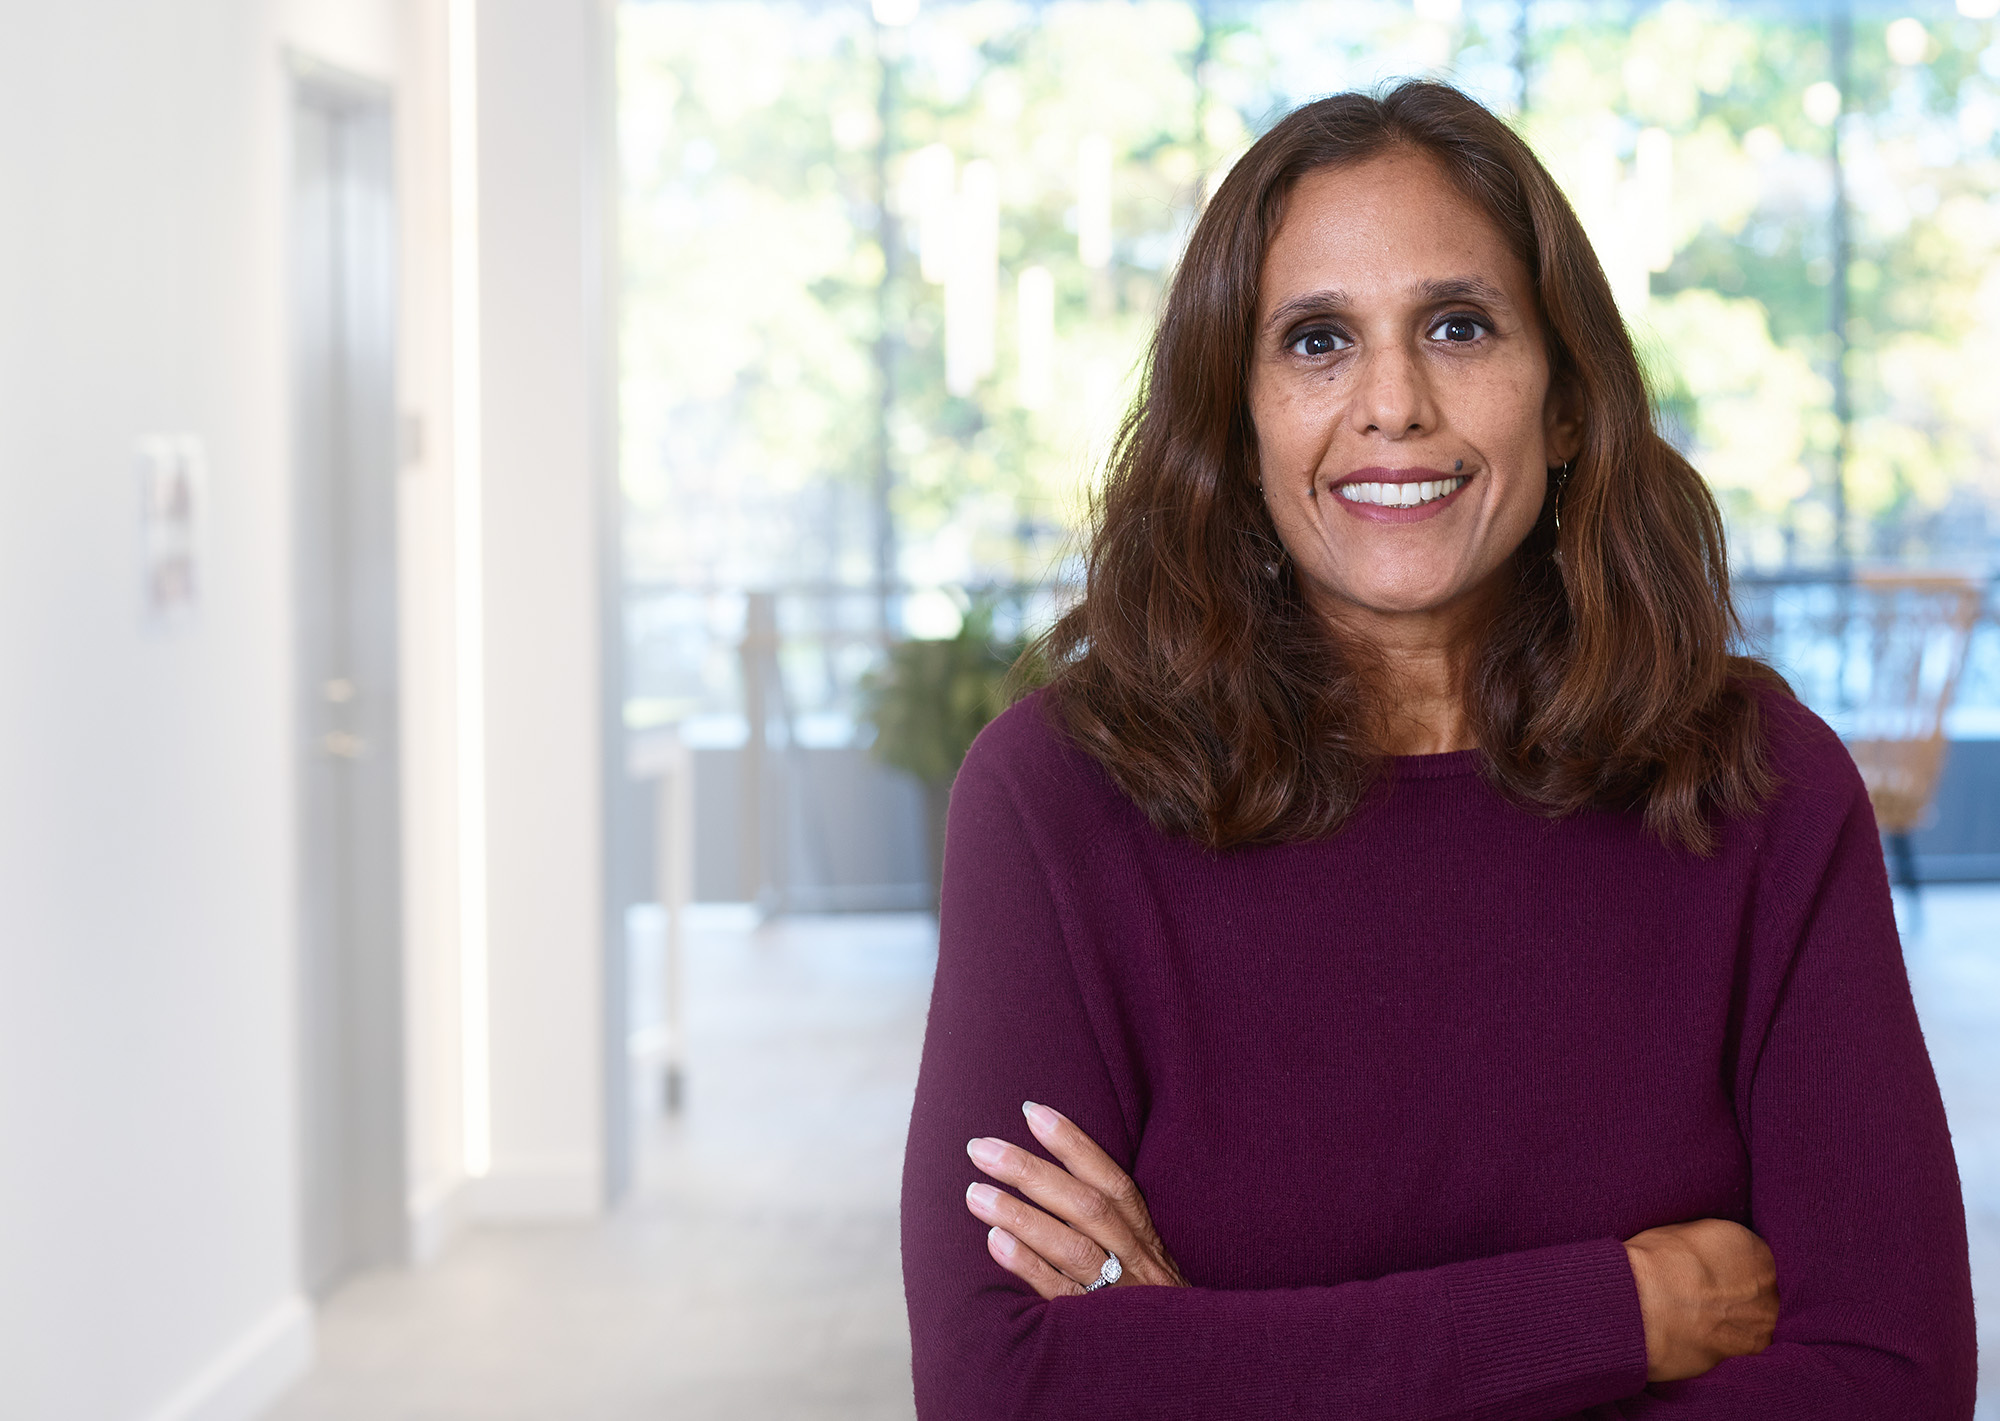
[[771, 342], [932, 697], [1724, 266]]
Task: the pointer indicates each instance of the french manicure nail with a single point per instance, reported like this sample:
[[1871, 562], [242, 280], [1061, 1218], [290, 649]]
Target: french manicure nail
[[1039, 1116], [986, 1152], [1001, 1241], [981, 1196]]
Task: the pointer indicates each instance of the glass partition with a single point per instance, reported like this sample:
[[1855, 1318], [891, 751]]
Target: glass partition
[[889, 274]]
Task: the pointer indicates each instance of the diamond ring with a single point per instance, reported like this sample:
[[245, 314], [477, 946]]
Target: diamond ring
[[1110, 1273]]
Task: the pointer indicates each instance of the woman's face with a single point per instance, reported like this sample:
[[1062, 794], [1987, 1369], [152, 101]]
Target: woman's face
[[1400, 390]]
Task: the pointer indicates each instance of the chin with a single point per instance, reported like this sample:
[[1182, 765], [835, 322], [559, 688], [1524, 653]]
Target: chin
[[1398, 596]]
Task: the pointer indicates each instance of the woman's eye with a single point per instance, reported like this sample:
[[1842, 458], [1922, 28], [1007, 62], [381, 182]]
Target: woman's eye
[[1319, 342], [1458, 330]]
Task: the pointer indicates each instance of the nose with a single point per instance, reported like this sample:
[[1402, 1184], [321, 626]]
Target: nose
[[1392, 395]]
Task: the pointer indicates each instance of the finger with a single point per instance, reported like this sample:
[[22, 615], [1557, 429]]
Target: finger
[[1024, 1263], [1084, 1158], [1082, 1207], [1070, 1253], [1089, 1161]]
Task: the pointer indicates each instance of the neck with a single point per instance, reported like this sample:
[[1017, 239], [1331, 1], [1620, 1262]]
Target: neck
[[1423, 706], [1420, 662]]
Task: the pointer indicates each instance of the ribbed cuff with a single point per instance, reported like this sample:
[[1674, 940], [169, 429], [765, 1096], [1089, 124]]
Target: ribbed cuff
[[1548, 1332]]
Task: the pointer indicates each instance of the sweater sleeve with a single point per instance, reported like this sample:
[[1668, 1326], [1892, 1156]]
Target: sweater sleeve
[[1853, 1182], [1530, 1335]]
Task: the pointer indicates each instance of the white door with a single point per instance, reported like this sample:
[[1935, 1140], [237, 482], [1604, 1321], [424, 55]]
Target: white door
[[345, 458]]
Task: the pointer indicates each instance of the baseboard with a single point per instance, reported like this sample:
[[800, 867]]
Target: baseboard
[[438, 1214], [528, 1192], [251, 1372]]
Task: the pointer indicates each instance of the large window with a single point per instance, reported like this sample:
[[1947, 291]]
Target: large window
[[890, 272]]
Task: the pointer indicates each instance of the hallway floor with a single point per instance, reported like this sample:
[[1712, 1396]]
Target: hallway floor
[[753, 1273]]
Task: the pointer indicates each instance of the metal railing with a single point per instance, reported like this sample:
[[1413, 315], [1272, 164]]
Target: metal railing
[[791, 659], [1816, 629], [777, 675], [777, 678], [787, 663]]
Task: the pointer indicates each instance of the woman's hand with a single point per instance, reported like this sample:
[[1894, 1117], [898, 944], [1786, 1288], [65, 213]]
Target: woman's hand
[[1089, 1207], [1708, 1290]]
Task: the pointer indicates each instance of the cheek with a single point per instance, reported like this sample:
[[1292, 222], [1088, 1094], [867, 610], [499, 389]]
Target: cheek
[[1503, 416], [1291, 427]]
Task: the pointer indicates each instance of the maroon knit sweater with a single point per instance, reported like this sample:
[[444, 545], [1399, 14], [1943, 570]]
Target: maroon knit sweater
[[1395, 1097]]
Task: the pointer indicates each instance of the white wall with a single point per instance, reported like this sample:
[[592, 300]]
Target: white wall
[[146, 1209], [432, 983], [148, 1123], [543, 115], [148, 1195]]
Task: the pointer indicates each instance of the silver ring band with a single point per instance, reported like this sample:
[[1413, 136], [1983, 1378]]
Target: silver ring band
[[1110, 1273]]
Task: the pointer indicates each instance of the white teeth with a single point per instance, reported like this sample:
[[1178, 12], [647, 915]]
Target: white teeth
[[1408, 495]]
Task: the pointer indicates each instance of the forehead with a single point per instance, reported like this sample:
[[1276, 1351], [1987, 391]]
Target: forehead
[[1380, 228]]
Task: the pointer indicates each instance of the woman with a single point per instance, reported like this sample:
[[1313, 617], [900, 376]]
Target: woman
[[1426, 955]]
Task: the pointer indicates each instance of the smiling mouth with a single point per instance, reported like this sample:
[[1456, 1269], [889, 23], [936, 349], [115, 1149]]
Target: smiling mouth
[[1402, 495]]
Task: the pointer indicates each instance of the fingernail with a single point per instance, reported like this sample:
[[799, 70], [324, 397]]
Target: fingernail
[[1002, 1241], [981, 1196], [1040, 1117], [986, 1152]]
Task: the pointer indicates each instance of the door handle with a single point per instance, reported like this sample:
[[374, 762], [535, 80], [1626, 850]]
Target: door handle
[[341, 745]]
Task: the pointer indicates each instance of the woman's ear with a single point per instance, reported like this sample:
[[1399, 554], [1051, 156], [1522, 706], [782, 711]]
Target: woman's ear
[[1562, 423]]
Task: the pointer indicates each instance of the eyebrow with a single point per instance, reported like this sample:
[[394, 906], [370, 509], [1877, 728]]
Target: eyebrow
[[1461, 288], [1435, 292]]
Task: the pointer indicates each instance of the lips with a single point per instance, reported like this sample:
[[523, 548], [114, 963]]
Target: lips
[[1398, 495]]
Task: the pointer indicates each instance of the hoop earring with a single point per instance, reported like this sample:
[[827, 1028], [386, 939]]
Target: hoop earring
[[1562, 482]]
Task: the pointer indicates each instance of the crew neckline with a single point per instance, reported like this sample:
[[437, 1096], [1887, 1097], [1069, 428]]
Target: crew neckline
[[1430, 767]]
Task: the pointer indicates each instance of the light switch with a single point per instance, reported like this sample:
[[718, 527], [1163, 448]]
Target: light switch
[[173, 497]]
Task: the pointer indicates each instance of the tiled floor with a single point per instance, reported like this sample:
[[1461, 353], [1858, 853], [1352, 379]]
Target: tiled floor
[[753, 1275]]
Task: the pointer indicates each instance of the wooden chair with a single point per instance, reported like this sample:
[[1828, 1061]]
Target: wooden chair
[[1906, 635]]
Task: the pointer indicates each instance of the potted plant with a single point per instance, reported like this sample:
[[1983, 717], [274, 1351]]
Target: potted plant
[[928, 701]]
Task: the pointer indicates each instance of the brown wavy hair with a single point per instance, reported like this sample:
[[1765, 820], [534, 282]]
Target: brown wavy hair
[[1229, 711]]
